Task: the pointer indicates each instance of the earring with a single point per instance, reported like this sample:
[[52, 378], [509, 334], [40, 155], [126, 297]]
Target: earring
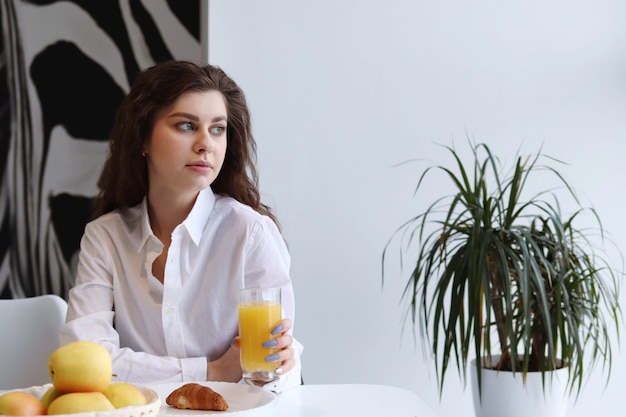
[[143, 154]]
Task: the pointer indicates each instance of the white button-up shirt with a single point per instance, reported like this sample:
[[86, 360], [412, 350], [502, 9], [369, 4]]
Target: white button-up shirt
[[166, 332]]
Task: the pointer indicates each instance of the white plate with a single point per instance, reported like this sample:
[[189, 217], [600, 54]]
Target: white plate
[[240, 398]]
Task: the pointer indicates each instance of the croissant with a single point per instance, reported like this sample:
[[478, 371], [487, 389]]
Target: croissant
[[196, 397]]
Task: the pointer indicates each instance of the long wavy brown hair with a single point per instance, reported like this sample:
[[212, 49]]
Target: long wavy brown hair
[[124, 178]]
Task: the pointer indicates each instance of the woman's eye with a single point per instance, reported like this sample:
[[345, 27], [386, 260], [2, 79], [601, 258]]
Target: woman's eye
[[185, 126], [218, 129]]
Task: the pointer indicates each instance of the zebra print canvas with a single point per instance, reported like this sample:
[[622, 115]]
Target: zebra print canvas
[[64, 67]]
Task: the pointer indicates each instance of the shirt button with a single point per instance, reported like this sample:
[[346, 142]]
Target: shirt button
[[169, 311]]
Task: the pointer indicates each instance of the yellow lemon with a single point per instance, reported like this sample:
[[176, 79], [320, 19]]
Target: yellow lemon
[[80, 402], [50, 395], [19, 403], [81, 366], [122, 394]]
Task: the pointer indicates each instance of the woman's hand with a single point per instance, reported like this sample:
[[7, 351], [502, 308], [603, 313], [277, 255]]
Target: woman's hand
[[227, 368], [285, 356]]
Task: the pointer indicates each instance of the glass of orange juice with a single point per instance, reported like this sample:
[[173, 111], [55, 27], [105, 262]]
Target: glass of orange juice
[[259, 312]]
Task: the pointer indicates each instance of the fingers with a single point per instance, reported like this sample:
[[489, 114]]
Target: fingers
[[286, 359], [285, 355], [282, 327], [283, 340], [279, 342]]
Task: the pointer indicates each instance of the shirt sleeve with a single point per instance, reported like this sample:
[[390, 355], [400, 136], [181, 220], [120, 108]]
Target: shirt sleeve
[[268, 265], [91, 317]]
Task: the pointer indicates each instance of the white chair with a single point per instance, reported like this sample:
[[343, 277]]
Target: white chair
[[29, 333]]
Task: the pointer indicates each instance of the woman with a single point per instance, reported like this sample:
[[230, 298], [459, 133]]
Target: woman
[[179, 228]]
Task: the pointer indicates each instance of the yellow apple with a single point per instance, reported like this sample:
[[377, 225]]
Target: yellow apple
[[122, 394], [19, 403], [80, 366], [50, 395], [80, 402]]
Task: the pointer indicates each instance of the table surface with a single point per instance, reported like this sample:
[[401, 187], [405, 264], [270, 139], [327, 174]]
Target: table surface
[[336, 400]]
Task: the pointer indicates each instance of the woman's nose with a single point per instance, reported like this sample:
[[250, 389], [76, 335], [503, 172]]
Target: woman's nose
[[204, 144]]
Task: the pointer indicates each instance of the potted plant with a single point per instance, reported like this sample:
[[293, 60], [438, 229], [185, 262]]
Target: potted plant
[[503, 276]]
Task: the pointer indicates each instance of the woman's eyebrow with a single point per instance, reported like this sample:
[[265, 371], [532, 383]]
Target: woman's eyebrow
[[185, 115], [195, 118]]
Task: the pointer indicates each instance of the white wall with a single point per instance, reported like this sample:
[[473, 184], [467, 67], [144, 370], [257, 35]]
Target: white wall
[[342, 91]]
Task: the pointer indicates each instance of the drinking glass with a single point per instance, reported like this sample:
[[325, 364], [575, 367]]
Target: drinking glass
[[259, 312]]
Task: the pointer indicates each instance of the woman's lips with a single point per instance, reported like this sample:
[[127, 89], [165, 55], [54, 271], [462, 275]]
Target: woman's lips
[[200, 166], [201, 163]]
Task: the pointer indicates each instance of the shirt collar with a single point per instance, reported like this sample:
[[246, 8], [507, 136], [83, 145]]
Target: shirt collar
[[199, 215], [146, 229], [194, 223]]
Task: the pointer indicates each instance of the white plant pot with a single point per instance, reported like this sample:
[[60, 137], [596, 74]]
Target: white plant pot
[[506, 395]]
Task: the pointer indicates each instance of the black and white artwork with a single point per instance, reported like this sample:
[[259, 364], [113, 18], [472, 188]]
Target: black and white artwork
[[64, 67]]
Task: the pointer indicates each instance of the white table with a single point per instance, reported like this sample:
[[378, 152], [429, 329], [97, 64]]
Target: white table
[[346, 400], [324, 400]]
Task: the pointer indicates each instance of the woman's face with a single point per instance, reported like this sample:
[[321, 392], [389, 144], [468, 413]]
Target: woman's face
[[188, 144]]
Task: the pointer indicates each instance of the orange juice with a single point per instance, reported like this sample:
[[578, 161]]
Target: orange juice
[[256, 321]]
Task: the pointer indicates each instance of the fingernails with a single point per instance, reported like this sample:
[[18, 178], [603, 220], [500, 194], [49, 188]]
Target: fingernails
[[270, 343], [277, 329], [271, 358]]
